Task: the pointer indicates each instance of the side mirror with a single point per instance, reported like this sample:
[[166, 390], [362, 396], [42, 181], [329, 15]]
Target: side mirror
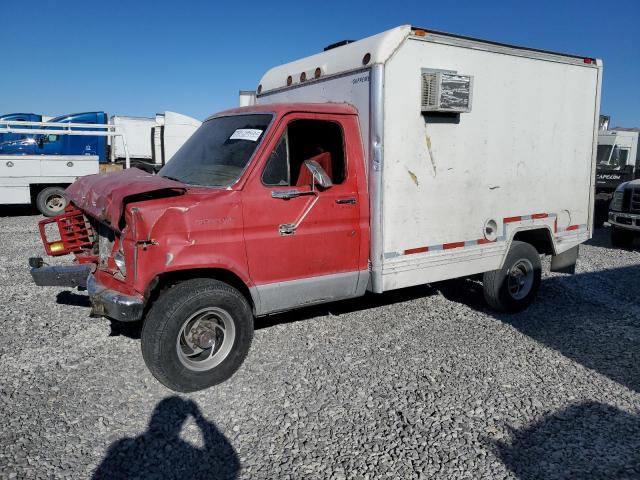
[[318, 173], [40, 141]]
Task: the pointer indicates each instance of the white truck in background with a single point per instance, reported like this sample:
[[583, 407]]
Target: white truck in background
[[170, 132], [151, 141], [45, 157]]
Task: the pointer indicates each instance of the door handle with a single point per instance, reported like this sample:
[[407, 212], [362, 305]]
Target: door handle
[[346, 201]]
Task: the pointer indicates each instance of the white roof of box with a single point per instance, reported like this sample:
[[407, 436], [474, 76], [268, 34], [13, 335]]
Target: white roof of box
[[380, 48], [337, 60]]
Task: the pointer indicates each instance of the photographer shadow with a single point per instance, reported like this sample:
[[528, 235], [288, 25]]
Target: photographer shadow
[[590, 440], [161, 453]]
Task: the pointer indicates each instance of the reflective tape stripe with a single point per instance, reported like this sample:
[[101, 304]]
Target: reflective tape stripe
[[484, 241]]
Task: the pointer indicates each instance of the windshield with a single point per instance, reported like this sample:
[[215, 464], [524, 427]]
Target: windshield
[[604, 152], [218, 152], [616, 160]]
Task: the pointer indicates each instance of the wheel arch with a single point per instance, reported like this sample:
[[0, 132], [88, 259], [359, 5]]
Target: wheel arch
[[539, 237], [36, 188], [165, 280]]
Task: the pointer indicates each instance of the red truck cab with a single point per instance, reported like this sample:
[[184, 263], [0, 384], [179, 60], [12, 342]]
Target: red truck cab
[[264, 209]]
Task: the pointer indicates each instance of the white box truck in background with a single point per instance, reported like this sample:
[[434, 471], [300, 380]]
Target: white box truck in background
[[137, 132], [152, 141], [170, 132]]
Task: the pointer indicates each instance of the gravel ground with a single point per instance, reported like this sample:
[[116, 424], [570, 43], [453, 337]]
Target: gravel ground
[[420, 383]]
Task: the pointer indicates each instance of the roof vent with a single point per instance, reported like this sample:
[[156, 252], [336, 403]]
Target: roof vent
[[446, 92], [338, 44]]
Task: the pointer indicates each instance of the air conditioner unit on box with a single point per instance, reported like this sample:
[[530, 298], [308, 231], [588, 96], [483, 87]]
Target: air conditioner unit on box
[[446, 92]]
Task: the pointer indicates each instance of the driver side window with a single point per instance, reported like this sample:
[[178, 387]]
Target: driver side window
[[303, 140]]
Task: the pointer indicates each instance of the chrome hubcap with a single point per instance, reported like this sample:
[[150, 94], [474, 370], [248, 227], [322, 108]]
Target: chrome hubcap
[[205, 339], [520, 279]]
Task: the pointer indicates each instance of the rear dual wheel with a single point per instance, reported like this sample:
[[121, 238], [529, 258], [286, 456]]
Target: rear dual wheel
[[197, 334], [512, 288]]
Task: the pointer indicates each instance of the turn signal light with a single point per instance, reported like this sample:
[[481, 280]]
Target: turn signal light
[[56, 246]]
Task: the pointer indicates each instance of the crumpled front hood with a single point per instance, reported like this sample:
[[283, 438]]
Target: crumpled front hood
[[103, 195]]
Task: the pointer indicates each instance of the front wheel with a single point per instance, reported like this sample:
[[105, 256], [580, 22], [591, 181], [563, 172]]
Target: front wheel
[[197, 334], [512, 288]]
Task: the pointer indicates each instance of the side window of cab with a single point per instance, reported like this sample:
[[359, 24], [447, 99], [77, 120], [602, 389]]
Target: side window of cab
[[318, 140]]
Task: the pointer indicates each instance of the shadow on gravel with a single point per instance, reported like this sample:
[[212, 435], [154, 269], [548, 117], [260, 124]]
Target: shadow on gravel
[[369, 301], [131, 330], [68, 297], [161, 453], [125, 329], [18, 210], [591, 318], [602, 239], [586, 441]]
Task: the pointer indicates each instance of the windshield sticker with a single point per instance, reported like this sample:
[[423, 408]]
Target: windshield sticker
[[251, 134]]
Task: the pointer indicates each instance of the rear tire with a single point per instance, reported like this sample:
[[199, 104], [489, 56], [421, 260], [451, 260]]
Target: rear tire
[[51, 201], [512, 288], [621, 238], [197, 334]]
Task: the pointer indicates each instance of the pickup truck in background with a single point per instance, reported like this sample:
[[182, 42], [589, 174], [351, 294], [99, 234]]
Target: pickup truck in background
[[401, 159], [36, 167], [618, 161], [624, 214]]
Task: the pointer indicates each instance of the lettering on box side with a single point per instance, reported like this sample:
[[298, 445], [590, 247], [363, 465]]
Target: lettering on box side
[[361, 79]]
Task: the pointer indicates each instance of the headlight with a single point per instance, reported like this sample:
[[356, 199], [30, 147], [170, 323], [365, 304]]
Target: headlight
[[118, 258], [618, 196], [621, 187], [616, 203]]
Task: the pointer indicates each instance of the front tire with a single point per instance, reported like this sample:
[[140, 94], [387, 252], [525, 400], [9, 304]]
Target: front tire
[[512, 288], [197, 334], [621, 238], [51, 201]]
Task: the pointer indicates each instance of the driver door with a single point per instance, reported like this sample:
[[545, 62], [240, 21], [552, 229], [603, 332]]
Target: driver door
[[319, 260]]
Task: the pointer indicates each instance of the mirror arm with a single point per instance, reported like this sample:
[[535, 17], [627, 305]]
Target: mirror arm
[[290, 228]]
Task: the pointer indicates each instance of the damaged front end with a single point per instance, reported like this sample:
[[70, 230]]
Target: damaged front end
[[94, 230], [93, 244]]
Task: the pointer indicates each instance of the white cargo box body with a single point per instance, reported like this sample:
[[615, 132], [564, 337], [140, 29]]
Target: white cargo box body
[[137, 132], [177, 130], [450, 190]]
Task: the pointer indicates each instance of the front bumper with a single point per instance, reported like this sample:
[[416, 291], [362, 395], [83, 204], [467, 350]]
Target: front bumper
[[61, 276], [113, 304], [629, 221], [104, 302]]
